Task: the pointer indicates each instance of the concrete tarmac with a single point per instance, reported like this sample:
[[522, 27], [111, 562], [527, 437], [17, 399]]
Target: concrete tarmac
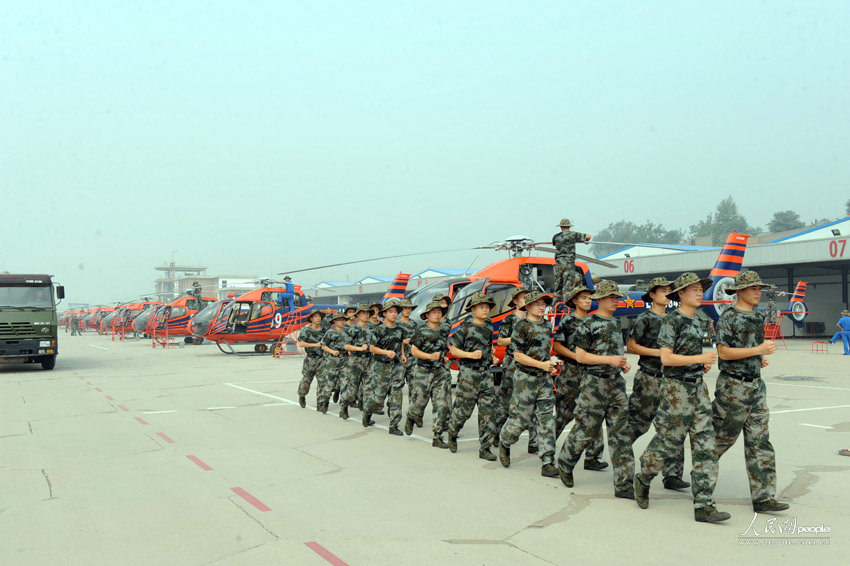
[[125, 454]]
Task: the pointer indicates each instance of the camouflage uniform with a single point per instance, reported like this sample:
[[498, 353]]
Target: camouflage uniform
[[565, 262], [685, 409], [356, 367], [646, 388], [313, 360], [332, 366], [387, 374], [740, 401], [409, 328], [429, 379], [771, 304], [532, 391], [506, 387], [474, 382], [602, 396], [445, 330], [567, 383]]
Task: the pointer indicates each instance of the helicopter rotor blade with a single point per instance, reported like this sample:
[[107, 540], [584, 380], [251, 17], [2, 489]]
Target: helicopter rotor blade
[[588, 259], [376, 259], [677, 247]]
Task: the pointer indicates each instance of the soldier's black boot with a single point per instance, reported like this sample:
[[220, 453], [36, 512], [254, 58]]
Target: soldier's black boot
[[336, 396], [595, 465], [323, 407], [395, 431], [452, 443], [566, 476], [709, 514], [485, 454], [628, 493], [367, 419], [419, 422], [343, 411], [549, 471], [438, 442], [769, 506], [408, 426], [641, 494], [675, 483], [504, 454], [302, 401], [533, 449]]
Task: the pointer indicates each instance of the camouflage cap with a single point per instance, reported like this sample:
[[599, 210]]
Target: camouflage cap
[[440, 297], [606, 288], [845, 312], [318, 312], [536, 296], [350, 308], [516, 293], [565, 223], [373, 305], [431, 306], [569, 302], [364, 307], [479, 298], [654, 284], [406, 304], [746, 279], [390, 304], [338, 315], [686, 279]]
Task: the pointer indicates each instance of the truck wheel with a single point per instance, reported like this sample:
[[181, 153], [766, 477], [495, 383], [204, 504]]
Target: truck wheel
[[48, 362]]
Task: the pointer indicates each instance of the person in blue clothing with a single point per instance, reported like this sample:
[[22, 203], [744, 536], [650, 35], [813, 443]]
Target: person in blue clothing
[[844, 325], [289, 296]]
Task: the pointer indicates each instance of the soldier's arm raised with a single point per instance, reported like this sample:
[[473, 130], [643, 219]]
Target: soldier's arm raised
[[668, 358]]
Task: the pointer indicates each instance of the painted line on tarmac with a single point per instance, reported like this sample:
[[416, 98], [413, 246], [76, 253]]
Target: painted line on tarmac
[[815, 426], [200, 463], [218, 408], [99, 347], [312, 408], [109, 398], [98, 389], [810, 409], [158, 412], [250, 499], [271, 381], [166, 438], [141, 421], [325, 553], [772, 383], [123, 408]]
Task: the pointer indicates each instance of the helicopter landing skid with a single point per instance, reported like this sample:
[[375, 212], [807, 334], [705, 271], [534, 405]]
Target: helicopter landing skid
[[261, 349]]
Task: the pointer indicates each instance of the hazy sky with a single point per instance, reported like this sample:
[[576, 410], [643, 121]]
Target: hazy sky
[[262, 137]]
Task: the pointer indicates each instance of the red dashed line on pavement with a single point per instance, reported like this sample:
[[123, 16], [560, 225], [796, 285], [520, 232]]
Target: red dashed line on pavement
[[123, 408], [165, 437], [110, 398], [141, 420], [201, 464], [98, 389], [326, 554], [250, 499]]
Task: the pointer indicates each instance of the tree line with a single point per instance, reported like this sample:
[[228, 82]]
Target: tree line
[[725, 218]]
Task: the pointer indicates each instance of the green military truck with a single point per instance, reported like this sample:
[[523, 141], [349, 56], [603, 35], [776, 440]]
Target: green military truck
[[28, 329]]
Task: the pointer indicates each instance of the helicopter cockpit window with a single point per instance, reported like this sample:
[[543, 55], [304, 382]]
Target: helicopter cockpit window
[[298, 301], [177, 312], [458, 306], [501, 294]]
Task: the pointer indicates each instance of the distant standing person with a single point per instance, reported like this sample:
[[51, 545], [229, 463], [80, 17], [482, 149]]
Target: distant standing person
[[740, 398], [565, 258], [197, 293], [844, 331], [289, 295], [771, 302]]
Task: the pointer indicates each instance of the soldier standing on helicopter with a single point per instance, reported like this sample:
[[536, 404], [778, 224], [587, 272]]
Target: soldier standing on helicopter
[[565, 258]]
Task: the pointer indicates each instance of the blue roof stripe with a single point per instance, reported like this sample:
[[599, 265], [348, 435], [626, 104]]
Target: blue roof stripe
[[809, 230]]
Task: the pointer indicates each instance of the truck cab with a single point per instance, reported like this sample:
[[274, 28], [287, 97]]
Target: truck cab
[[28, 324]]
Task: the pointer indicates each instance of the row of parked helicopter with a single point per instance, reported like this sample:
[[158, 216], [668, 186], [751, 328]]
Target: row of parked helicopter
[[260, 318]]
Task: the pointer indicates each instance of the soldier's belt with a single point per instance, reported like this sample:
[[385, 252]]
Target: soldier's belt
[[603, 375], [745, 379], [684, 379], [654, 374], [476, 366], [385, 360], [359, 354]]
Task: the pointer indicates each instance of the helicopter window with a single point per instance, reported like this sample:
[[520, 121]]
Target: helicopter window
[[298, 301], [501, 294], [458, 306], [177, 312]]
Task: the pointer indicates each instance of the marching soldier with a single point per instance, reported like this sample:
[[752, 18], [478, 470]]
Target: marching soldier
[[685, 408], [472, 345], [532, 388], [333, 345], [565, 258], [602, 396], [445, 328], [506, 387], [356, 376], [569, 380], [386, 343], [430, 375], [310, 339], [409, 327], [646, 388], [740, 398]]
